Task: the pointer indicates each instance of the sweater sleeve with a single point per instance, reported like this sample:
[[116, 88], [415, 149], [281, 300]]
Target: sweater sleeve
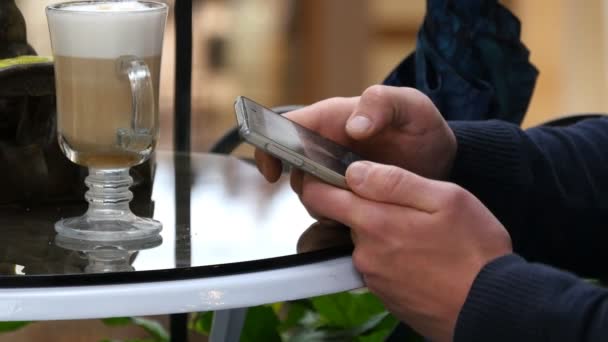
[[513, 300], [547, 185]]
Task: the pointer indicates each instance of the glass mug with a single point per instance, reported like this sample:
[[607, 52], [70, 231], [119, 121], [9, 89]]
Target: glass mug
[[107, 66]]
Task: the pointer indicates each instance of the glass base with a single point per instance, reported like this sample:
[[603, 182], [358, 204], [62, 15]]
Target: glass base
[[109, 217], [108, 256], [108, 229]]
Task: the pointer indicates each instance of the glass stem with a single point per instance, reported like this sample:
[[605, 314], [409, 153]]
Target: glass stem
[[109, 194]]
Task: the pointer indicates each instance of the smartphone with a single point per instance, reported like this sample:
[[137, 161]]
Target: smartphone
[[293, 143]]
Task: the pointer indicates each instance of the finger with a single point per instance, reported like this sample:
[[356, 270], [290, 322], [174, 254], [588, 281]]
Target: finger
[[391, 184], [353, 236], [350, 209], [383, 106], [327, 117], [296, 181], [268, 166]]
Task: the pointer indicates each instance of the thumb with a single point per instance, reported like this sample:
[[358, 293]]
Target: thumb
[[382, 106], [394, 185]]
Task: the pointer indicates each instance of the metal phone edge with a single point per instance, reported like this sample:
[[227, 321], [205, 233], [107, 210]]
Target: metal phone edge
[[261, 141]]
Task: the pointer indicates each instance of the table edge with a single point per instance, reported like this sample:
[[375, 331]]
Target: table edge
[[180, 296], [179, 273]]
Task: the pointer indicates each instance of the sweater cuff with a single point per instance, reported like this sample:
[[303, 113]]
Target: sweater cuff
[[490, 156], [509, 301]]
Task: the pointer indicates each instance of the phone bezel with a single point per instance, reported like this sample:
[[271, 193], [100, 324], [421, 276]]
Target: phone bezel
[[261, 141]]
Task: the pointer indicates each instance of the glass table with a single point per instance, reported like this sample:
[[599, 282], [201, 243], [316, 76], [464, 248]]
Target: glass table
[[229, 241]]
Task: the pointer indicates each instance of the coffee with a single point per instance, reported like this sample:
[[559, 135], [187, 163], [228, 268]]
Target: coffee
[[93, 103], [94, 99]]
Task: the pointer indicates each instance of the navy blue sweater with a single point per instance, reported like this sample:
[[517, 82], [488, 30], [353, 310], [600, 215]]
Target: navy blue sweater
[[549, 187]]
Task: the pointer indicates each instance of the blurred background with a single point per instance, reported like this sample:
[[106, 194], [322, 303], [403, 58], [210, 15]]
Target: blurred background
[[299, 51]]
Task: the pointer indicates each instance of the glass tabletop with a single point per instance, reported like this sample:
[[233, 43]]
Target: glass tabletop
[[219, 217]]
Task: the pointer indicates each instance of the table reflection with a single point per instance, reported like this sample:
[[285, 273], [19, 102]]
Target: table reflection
[[235, 222], [324, 234], [108, 256]]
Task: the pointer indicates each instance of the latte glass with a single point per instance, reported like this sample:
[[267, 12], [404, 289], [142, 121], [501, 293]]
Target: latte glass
[[107, 64]]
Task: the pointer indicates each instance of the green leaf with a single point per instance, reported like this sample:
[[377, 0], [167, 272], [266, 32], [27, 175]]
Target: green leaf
[[12, 326], [117, 321], [261, 324], [371, 324], [377, 328], [376, 336], [202, 323], [295, 314], [308, 335], [131, 340], [347, 310], [155, 329], [277, 307]]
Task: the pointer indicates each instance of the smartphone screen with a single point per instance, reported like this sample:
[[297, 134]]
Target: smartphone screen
[[297, 138]]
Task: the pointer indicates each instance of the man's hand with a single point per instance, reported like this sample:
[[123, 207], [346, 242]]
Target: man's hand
[[389, 125], [419, 243]]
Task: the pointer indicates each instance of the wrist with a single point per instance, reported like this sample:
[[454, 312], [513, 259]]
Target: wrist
[[488, 156], [510, 300]]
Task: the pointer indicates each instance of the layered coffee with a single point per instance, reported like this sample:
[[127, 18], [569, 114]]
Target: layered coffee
[[96, 126]]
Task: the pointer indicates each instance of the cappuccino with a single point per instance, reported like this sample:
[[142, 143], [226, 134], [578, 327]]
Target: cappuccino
[[94, 99]]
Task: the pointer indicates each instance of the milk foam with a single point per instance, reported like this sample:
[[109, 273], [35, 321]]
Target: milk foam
[[106, 30], [109, 7]]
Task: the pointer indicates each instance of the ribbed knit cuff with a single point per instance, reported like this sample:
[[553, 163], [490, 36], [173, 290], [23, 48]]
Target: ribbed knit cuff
[[509, 301], [489, 155]]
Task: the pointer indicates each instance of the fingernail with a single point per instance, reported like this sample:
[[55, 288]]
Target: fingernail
[[358, 124], [356, 173]]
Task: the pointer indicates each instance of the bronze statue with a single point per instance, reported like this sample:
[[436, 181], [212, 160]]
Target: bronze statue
[[13, 37]]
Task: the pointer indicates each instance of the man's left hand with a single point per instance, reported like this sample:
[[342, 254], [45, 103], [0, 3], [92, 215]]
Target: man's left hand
[[419, 243]]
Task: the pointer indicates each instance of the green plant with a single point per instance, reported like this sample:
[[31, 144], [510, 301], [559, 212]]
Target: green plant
[[356, 316], [348, 316], [11, 326], [156, 331]]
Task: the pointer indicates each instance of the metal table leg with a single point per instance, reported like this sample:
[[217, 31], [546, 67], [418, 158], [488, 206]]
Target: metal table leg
[[227, 325]]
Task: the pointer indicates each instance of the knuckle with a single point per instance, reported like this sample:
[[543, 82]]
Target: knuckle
[[360, 218], [392, 179], [361, 261], [368, 219], [417, 95], [418, 99], [421, 105], [374, 93], [454, 196]]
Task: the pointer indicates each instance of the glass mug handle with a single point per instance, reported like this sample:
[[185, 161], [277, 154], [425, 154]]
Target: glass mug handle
[[138, 137]]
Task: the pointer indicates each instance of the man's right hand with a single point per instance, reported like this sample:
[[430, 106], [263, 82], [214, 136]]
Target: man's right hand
[[388, 125]]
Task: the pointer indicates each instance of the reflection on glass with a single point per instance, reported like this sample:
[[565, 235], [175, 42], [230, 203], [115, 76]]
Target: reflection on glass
[[324, 234], [108, 256]]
